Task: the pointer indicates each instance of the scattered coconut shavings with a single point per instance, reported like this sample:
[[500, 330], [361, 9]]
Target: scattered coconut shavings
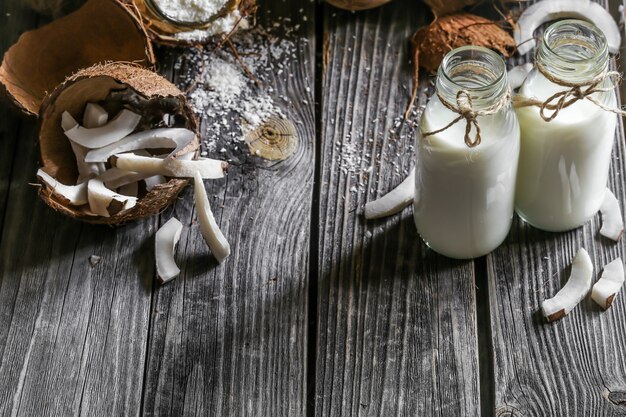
[[612, 222], [609, 284], [577, 286], [94, 260], [230, 102]]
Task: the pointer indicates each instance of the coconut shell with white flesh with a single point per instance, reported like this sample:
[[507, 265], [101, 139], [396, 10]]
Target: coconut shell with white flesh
[[114, 86], [165, 32], [41, 59], [609, 284]]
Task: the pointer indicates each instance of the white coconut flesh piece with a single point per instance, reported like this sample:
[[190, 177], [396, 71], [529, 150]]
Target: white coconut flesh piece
[[177, 138], [74, 194], [105, 202], [612, 221], [165, 243], [85, 170], [577, 286], [517, 75], [609, 284], [394, 201], [121, 126], [130, 189], [547, 10], [94, 116], [115, 178], [213, 236], [153, 181], [178, 168]]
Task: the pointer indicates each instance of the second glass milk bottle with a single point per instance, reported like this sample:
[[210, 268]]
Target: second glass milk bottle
[[467, 156], [564, 160]]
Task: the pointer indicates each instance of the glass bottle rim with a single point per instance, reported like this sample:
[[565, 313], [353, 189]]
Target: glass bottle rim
[[497, 62], [548, 42]]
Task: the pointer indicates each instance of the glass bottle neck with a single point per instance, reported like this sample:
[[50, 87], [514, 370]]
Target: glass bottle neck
[[478, 71], [573, 51]]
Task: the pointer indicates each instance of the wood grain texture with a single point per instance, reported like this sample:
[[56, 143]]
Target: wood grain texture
[[396, 322], [72, 335], [573, 367], [231, 339]]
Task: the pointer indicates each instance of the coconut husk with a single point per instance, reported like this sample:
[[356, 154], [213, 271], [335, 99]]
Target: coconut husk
[[96, 84], [356, 5], [444, 7], [432, 42], [164, 32], [101, 30]]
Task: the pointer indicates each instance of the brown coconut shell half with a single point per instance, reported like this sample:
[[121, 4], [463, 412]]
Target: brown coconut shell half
[[163, 32], [100, 31], [96, 84], [357, 5]]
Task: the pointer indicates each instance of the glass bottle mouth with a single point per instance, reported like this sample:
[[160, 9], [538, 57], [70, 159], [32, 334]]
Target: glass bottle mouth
[[574, 50], [161, 14], [477, 70]]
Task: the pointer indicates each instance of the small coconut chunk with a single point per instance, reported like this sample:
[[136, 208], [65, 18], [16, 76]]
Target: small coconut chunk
[[517, 75], [179, 168], [211, 232], [612, 222], [547, 10], [609, 284], [153, 181], [74, 194], [121, 126], [177, 138], [165, 243], [394, 201], [574, 291], [130, 189], [104, 202], [95, 116], [67, 121]]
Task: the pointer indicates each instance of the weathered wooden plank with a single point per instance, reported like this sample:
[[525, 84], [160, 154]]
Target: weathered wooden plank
[[575, 366], [231, 340], [72, 335], [396, 322]]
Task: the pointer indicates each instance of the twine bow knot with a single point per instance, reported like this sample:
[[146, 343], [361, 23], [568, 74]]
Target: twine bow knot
[[464, 107]]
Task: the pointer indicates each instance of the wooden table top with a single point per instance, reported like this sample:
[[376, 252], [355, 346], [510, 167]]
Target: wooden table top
[[317, 312]]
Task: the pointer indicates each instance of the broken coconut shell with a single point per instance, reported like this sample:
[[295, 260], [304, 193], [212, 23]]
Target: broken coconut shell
[[163, 31], [100, 31], [95, 85], [356, 5]]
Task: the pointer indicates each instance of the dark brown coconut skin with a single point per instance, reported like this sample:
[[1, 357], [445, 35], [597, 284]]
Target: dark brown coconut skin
[[93, 85], [100, 31]]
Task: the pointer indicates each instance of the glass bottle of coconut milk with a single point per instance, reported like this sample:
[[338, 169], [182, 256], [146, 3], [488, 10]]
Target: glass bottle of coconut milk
[[465, 183], [564, 162]]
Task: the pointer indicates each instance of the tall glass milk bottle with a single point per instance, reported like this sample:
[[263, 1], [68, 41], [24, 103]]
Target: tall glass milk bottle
[[465, 187], [564, 163]]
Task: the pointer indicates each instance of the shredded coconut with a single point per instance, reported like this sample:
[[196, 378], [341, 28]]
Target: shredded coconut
[[223, 25], [190, 10]]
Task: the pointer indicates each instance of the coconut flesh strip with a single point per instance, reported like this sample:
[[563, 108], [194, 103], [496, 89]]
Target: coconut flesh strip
[[75, 194], [517, 75], [104, 202], [85, 170], [121, 126], [94, 116], [574, 291], [177, 138], [213, 236], [609, 284], [115, 178], [178, 168], [394, 201], [164, 244], [612, 222], [547, 10]]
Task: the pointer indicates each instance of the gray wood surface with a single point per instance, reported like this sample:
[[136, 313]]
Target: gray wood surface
[[396, 322], [232, 340], [573, 367]]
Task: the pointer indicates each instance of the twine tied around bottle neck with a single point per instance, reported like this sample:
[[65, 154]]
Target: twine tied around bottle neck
[[464, 107], [577, 91]]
